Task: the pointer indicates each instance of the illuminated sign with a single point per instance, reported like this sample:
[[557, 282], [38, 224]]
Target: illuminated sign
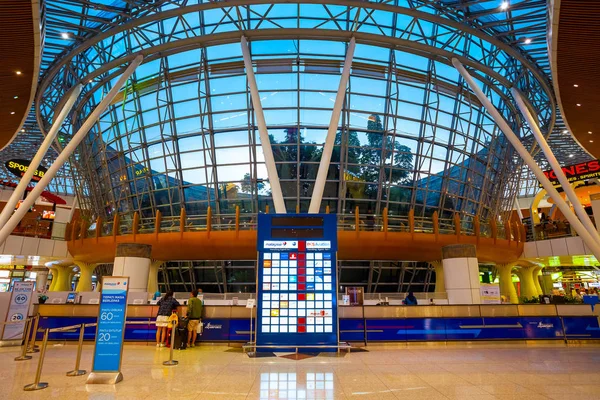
[[18, 167], [297, 296], [577, 172]]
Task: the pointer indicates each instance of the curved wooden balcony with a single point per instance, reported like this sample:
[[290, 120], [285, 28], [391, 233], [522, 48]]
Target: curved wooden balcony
[[233, 237]]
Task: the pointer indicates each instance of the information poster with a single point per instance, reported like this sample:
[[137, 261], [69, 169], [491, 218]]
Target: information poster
[[297, 297], [490, 294], [111, 324], [18, 309]]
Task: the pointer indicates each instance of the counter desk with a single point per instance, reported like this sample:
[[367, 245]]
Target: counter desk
[[224, 323]]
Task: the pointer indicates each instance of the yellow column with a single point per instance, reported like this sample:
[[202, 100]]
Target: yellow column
[[528, 288], [536, 279], [54, 279], [63, 283], [153, 276], [85, 276], [439, 277], [507, 288], [547, 284]]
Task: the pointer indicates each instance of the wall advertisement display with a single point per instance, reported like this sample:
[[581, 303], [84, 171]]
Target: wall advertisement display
[[297, 282], [111, 324], [18, 309]]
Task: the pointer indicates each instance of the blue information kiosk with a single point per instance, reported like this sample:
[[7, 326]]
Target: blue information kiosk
[[297, 281]]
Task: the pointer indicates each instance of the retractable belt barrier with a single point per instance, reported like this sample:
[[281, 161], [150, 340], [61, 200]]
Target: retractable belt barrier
[[37, 385]]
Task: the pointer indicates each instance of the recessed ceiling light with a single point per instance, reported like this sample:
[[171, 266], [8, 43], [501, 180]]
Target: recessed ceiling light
[[23, 130], [64, 35], [527, 41], [18, 72], [590, 132], [578, 105], [12, 112], [566, 131], [90, 81], [591, 141], [16, 97], [576, 85], [504, 5], [570, 155]]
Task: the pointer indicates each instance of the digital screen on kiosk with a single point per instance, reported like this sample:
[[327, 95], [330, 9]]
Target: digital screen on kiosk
[[297, 280]]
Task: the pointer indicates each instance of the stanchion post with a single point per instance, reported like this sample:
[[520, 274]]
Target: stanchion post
[[77, 371], [27, 331], [37, 385], [171, 361], [32, 347]]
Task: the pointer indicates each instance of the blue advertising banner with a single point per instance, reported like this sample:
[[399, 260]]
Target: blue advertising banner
[[111, 324], [297, 280]]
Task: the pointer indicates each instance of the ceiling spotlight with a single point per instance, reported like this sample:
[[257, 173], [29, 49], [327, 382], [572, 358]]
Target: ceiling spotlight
[[527, 41], [576, 85], [18, 72], [566, 131], [23, 130], [591, 141], [16, 97], [590, 132], [504, 5], [578, 105], [64, 35], [570, 155], [12, 112]]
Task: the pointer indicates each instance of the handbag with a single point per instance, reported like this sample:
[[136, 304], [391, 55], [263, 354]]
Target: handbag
[[199, 327]]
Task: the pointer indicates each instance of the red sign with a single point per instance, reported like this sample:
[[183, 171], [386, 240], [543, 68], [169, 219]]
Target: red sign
[[577, 172]]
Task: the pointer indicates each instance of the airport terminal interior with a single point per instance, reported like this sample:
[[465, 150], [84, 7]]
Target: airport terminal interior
[[303, 199]]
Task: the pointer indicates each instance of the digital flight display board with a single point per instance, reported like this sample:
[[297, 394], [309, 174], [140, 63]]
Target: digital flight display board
[[297, 280]]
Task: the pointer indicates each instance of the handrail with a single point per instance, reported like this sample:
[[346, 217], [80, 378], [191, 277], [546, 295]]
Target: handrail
[[454, 224]]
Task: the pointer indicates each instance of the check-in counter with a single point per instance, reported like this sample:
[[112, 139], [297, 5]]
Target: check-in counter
[[227, 323], [221, 323]]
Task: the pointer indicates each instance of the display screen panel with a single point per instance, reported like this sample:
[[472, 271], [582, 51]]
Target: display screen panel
[[297, 284]]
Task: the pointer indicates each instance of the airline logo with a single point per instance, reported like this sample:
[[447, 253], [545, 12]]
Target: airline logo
[[280, 244], [318, 244]]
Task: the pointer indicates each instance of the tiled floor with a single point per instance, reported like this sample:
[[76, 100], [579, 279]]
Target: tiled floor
[[507, 372]]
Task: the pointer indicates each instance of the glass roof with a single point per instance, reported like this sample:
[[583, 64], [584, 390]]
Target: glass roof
[[520, 23]]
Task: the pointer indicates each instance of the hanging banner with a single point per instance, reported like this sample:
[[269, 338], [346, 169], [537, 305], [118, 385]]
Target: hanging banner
[[20, 300], [110, 331]]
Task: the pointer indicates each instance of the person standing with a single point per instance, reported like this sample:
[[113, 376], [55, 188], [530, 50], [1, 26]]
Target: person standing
[[194, 313], [166, 306], [410, 300]]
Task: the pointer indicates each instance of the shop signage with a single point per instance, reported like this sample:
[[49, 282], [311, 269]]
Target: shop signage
[[20, 301], [19, 166], [111, 327], [576, 172]]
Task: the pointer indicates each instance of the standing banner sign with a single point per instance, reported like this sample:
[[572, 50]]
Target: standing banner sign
[[110, 332], [20, 300]]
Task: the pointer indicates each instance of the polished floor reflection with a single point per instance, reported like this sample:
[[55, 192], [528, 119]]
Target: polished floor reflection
[[483, 372]]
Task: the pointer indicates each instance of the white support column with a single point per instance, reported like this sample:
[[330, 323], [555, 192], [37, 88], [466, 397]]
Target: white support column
[[67, 151], [519, 212], [39, 156], [564, 182], [262, 131], [317, 195], [539, 174]]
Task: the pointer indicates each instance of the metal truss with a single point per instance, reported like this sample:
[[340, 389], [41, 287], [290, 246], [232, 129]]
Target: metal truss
[[240, 276], [477, 161]]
